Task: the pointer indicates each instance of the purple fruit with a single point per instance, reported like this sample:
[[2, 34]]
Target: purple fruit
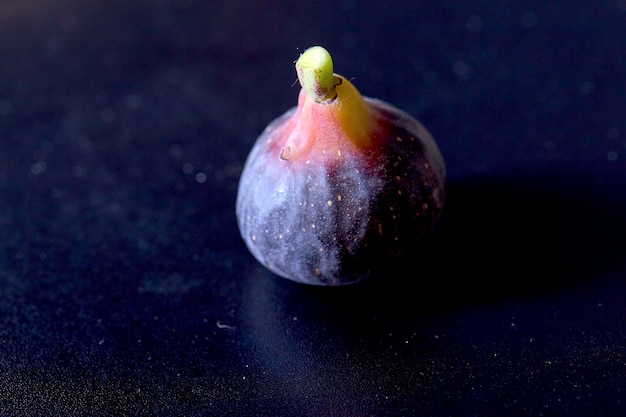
[[341, 187]]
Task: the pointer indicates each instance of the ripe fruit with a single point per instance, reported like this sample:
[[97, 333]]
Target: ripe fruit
[[341, 187]]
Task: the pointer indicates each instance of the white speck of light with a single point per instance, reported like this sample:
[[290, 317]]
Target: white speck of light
[[188, 168], [613, 133], [462, 69], [38, 168], [78, 171], [586, 87], [611, 156], [133, 101], [175, 149], [200, 177], [474, 24]]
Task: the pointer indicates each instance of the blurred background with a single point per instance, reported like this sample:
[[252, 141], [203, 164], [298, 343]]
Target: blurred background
[[125, 288]]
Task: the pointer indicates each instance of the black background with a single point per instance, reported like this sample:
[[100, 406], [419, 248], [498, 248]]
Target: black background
[[125, 288]]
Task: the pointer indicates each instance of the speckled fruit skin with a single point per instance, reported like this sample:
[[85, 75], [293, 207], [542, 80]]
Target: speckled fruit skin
[[336, 221]]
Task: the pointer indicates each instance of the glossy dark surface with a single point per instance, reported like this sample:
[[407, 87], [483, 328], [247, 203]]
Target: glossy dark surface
[[125, 288]]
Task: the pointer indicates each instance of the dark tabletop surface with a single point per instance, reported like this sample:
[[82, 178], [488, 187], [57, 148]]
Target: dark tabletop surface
[[125, 288]]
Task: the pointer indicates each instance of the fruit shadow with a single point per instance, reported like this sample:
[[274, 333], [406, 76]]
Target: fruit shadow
[[502, 237]]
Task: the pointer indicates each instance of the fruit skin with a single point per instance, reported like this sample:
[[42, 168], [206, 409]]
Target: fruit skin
[[347, 215]]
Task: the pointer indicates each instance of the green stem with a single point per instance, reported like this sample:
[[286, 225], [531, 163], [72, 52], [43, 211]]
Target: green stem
[[315, 73]]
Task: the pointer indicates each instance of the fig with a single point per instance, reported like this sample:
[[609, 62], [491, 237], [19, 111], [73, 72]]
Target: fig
[[340, 188]]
